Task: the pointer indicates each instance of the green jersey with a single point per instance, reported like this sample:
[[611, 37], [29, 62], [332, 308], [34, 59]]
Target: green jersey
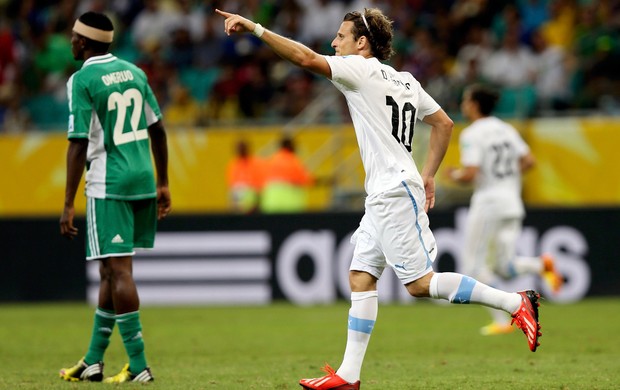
[[112, 105]]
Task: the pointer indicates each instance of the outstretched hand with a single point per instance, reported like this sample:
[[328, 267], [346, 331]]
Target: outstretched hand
[[236, 23]]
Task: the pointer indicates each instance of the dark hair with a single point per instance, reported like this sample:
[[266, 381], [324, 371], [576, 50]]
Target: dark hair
[[101, 22], [485, 96], [242, 149], [287, 143], [379, 31]]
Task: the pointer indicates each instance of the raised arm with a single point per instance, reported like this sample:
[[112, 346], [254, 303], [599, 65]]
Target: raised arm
[[292, 51]]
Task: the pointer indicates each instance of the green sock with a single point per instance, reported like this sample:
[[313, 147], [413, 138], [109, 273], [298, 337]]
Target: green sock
[[100, 339], [131, 332]]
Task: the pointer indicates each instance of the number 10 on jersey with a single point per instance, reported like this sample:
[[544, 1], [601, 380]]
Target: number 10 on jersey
[[400, 118]]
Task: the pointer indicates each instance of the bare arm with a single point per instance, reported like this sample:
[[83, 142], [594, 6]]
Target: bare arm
[[464, 175], [76, 161], [159, 147], [527, 162], [292, 51], [441, 131], [467, 174]]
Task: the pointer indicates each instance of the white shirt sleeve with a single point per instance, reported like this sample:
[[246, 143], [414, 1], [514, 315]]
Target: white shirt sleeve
[[470, 149], [348, 72], [427, 104], [521, 147]]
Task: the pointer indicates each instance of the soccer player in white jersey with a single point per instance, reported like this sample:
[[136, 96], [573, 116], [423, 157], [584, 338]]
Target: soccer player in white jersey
[[113, 116], [394, 231], [493, 156]]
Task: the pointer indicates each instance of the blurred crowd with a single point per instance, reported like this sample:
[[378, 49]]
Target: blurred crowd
[[273, 184], [548, 57]]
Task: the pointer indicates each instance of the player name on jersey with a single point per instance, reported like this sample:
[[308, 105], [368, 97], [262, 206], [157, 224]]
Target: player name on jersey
[[394, 79], [117, 77]]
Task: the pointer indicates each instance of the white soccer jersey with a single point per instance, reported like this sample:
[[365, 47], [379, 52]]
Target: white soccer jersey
[[384, 105], [495, 147]]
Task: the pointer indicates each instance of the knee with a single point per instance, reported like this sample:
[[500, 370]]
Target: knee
[[362, 281], [119, 268], [105, 273], [416, 290], [420, 288]]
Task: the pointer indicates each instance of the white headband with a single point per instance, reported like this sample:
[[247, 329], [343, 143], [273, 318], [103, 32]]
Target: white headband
[[365, 22], [93, 33]]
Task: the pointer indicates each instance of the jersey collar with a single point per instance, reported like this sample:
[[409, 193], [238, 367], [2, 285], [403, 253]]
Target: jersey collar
[[108, 57]]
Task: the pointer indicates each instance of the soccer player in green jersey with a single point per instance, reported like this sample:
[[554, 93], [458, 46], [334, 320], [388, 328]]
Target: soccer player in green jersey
[[114, 124]]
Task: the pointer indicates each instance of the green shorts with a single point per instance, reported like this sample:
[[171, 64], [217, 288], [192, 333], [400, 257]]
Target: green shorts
[[117, 227]]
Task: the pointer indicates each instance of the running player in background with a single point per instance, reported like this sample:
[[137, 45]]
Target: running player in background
[[394, 231], [113, 114], [493, 157]]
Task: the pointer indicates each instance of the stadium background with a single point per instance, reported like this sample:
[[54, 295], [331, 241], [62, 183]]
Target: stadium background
[[215, 90]]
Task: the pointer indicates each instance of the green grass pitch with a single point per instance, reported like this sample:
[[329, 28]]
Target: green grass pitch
[[417, 346]]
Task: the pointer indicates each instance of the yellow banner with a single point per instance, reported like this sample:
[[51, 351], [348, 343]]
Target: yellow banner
[[577, 162], [34, 167], [577, 165]]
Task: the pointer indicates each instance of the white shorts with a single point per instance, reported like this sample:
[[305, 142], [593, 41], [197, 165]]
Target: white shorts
[[395, 231], [490, 244]]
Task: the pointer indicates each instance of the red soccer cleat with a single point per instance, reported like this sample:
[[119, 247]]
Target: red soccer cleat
[[330, 381], [526, 317]]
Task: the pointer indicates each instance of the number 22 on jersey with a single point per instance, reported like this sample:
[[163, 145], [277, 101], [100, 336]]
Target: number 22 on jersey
[[121, 102]]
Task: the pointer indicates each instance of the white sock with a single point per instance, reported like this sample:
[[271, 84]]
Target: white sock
[[528, 265], [499, 316], [458, 288], [362, 317]]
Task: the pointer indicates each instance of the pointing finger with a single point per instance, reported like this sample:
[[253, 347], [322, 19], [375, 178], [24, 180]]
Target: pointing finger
[[224, 14]]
